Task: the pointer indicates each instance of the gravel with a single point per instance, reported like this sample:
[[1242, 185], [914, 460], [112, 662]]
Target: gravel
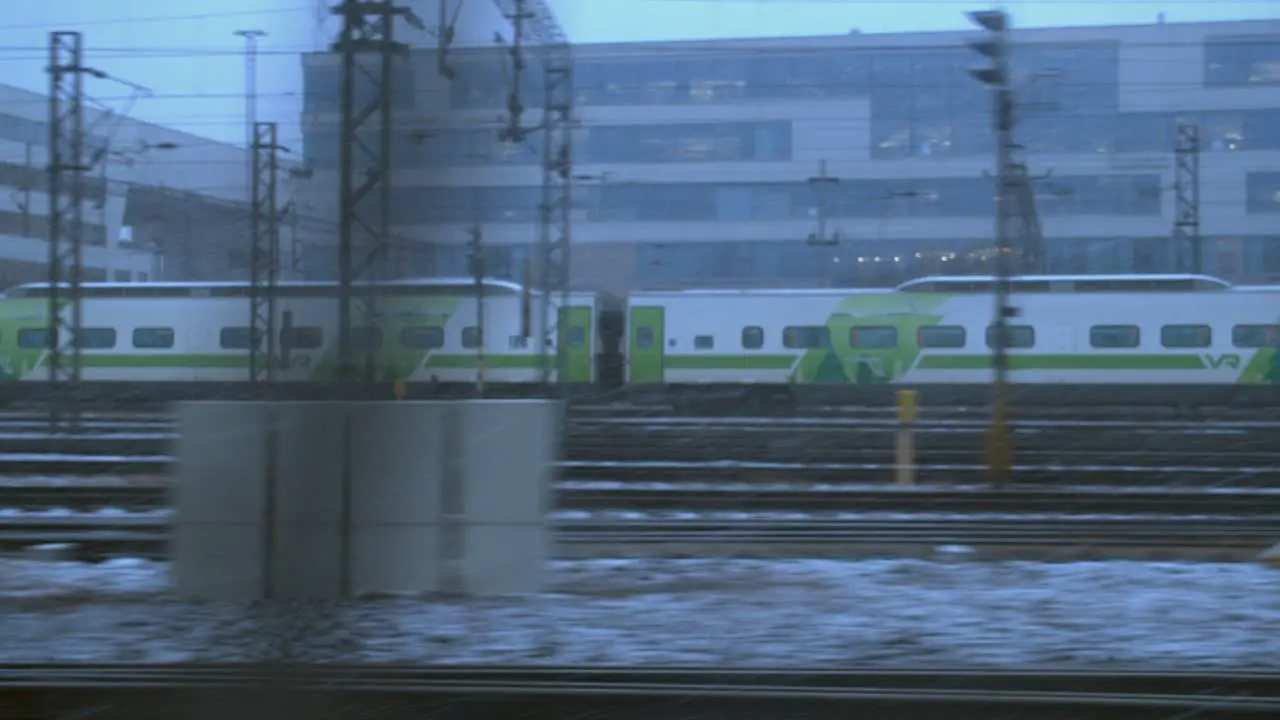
[[699, 612]]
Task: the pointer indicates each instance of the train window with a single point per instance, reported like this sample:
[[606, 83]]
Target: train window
[[153, 338], [940, 336], [703, 342], [1255, 336], [1016, 336], [518, 342], [577, 336], [364, 337], [307, 337], [471, 337], [806, 336], [33, 338], [752, 337], [236, 338], [1114, 336], [96, 338], [644, 337], [422, 337], [873, 336], [1186, 336]]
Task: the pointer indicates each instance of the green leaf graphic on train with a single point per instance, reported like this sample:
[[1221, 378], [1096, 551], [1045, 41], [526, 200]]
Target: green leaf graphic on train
[[872, 341], [1263, 368]]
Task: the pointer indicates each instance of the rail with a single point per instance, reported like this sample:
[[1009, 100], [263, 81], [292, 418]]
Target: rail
[[147, 691]]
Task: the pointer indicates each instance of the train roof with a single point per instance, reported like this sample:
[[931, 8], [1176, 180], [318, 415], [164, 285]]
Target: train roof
[[987, 283], [413, 286]]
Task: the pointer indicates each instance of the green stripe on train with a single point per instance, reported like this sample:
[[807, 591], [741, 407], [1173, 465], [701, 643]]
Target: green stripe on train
[[956, 362], [213, 361], [469, 362], [1065, 362], [728, 362], [95, 360]]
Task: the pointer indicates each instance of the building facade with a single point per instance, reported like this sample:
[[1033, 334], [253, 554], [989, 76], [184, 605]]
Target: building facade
[[158, 204], [694, 159]]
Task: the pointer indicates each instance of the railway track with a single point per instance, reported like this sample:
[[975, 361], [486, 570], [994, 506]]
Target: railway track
[[799, 449], [140, 691], [148, 535], [569, 496]]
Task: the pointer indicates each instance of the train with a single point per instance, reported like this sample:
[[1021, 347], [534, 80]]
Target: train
[[1155, 331]]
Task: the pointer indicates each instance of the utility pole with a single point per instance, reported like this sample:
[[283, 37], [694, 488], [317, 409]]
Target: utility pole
[[364, 237], [533, 19], [250, 82], [264, 253], [475, 245], [250, 115], [995, 47], [67, 169], [1186, 190], [821, 183]]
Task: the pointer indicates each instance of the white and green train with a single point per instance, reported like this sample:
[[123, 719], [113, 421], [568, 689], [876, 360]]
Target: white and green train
[[422, 331], [1117, 330], [1109, 331]]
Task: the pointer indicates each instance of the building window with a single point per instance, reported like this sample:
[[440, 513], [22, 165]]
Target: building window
[[1240, 60], [1262, 192]]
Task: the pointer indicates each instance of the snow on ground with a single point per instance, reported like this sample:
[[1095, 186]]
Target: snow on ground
[[740, 612]]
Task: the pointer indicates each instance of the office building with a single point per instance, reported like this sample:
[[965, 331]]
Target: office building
[[693, 159]]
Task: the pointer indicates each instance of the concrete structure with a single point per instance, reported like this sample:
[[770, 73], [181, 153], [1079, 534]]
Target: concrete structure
[[693, 156], [439, 496], [160, 204]]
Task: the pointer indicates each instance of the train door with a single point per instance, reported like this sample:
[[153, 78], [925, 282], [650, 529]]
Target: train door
[[645, 347], [1062, 341], [573, 336]]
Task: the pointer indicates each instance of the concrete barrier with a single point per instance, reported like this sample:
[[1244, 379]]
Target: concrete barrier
[[1271, 557], [326, 500]]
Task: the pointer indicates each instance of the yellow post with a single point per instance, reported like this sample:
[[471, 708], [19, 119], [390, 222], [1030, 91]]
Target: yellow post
[[905, 467], [399, 388]]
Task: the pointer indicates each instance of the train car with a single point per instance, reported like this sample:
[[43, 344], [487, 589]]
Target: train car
[[423, 330], [1077, 330]]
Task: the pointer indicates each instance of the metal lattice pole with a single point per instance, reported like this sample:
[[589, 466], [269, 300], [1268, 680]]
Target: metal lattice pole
[[364, 236], [1186, 189], [264, 253], [534, 19], [67, 169], [555, 235]]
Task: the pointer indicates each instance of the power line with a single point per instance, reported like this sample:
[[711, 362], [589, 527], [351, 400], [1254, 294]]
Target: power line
[[699, 48], [142, 19]]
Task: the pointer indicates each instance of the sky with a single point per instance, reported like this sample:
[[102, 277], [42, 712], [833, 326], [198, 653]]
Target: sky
[[188, 57]]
